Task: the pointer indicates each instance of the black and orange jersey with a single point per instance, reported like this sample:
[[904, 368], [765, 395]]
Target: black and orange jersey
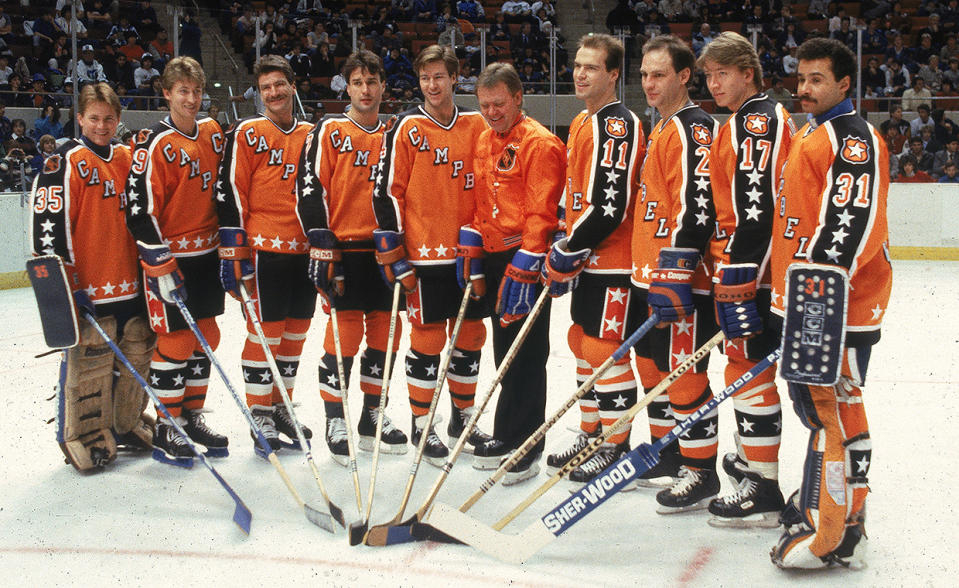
[[170, 190], [675, 208], [78, 205], [832, 210], [425, 181], [256, 188], [519, 178], [335, 181], [745, 164], [604, 154]]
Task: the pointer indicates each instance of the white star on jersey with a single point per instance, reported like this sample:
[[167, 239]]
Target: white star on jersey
[[276, 242], [845, 218], [877, 312], [424, 251]]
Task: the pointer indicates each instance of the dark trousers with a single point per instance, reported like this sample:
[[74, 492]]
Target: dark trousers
[[521, 408]]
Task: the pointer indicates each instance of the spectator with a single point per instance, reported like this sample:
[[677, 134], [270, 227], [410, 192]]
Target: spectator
[[873, 79], [917, 95], [946, 97], [20, 140], [121, 71], [516, 11], [452, 36], [444, 18], [929, 141], [920, 54], [65, 18], [162, 47], [316, 37], [874, 38], [48, 123], [895, 141], [399, 70], [190, 34], [789, 62], [424, 10], [945, 127], [321, 63], [937, 35], [45, 31], [924, 159], [499, 30], [16, 96], [466, 82], [908, 174], [143, 75], [39, 95], [131, 49], [950, 50], [952, 74], [99, 19], [895, 119], [299, 61], [845, 35], [780, 94], [5, 71], [214, 112], [948, 155], [126, 101], [46, 146], [471, 10], [924, 119], [6, 127], [88, 68], [6, 26], [702, 38], [949, 176], [122, 31], [66, 101], [897, 78], [146, 16], [931, 73], [401, 10], [900, 52], [818, 9]]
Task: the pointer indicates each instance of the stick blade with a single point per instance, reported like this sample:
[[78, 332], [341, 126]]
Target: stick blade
[[391, 533], [319, 518], [427, 532], [509, 548], [358, 531], [242, 517]]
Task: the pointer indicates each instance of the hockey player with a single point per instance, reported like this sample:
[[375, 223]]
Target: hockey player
[[745, 162], [423, 194], [77, 215], [832, 210], [334, 187], [674, 224], [171, 213], [519, 178], [263, 246], [605, 149]]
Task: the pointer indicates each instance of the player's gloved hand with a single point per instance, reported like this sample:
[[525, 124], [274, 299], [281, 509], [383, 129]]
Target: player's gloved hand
[[735, 297], [235, 262], [83, 302], [163, 275], [671, 289], [561, 271], [469, 261], [520, 286], [391, 255], [326, 268]]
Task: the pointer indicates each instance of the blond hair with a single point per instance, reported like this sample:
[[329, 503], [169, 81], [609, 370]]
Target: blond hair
[[438, 53], [733, 50], [182, 69], [99, 92]]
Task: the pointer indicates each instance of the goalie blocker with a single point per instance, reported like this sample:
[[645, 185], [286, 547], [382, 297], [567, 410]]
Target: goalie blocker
[[98, 402], [808, 285]]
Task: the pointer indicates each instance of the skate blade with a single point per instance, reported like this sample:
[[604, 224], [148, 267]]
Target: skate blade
[[437, 462], [217, 452], [162, 457], [660, 482], [467, 448], [367, 444], [343, 460], [513, 478], [765, 520], [488, 463], [294, 445], [668, 510]]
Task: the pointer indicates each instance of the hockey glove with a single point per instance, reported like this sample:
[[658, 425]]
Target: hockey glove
[[326, 268], [469, 261], [235, 262], [519, 288], [735, 296], [391, 255], [671, 289], [162, 273], [560, 273]]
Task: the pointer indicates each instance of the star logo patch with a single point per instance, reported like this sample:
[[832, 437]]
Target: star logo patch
[[52, 164], [701, 135], [615, 127], [854, 150], [757, 123]]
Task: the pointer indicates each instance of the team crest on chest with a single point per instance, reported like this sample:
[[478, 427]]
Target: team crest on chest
[[757, 124], [52, 164], [615, 126], [854, 150], [701, 134], [508, 158], [143, 135]]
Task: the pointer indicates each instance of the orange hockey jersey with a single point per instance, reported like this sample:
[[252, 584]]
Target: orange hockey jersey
[[832, 209], [335, 179], [78, 205], [425, 182], [745, 163], [519, 184], [604, 152], [170, 190], [675, 208], [256, 190]]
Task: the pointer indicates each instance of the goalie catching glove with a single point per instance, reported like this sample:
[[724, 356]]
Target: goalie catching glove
[[326, 268], [469, 261], [394, 263], [163, 276], [735, 297], [518, 289], [235, 263], [671, 289]]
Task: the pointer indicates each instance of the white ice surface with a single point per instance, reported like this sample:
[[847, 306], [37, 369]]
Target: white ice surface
[[142, 523]]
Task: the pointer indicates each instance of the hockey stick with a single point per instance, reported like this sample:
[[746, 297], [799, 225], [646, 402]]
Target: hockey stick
[[313, 514], [241, 514], [378, 534], [519, 548], [540, 433], [335, 511], [403, 533], [359, 529], [344, 388]]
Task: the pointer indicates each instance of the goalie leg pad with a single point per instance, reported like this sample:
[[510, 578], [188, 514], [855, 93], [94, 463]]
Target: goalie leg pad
[[85, 414], [814, 325], [129, 398]]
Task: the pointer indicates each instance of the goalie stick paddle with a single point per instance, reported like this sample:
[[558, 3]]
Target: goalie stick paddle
[[519, 548], [313, 514], [359, 529], [380, 534], [58, 315], [403, 533], [305, 446], [241, 514]]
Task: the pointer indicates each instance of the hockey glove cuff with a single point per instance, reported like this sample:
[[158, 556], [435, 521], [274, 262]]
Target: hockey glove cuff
[[394, 263], [236, 264], [326, 268], [671, 289], [561, 271], [735, 297], [469, 261], [163, 276], [519, 287]]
